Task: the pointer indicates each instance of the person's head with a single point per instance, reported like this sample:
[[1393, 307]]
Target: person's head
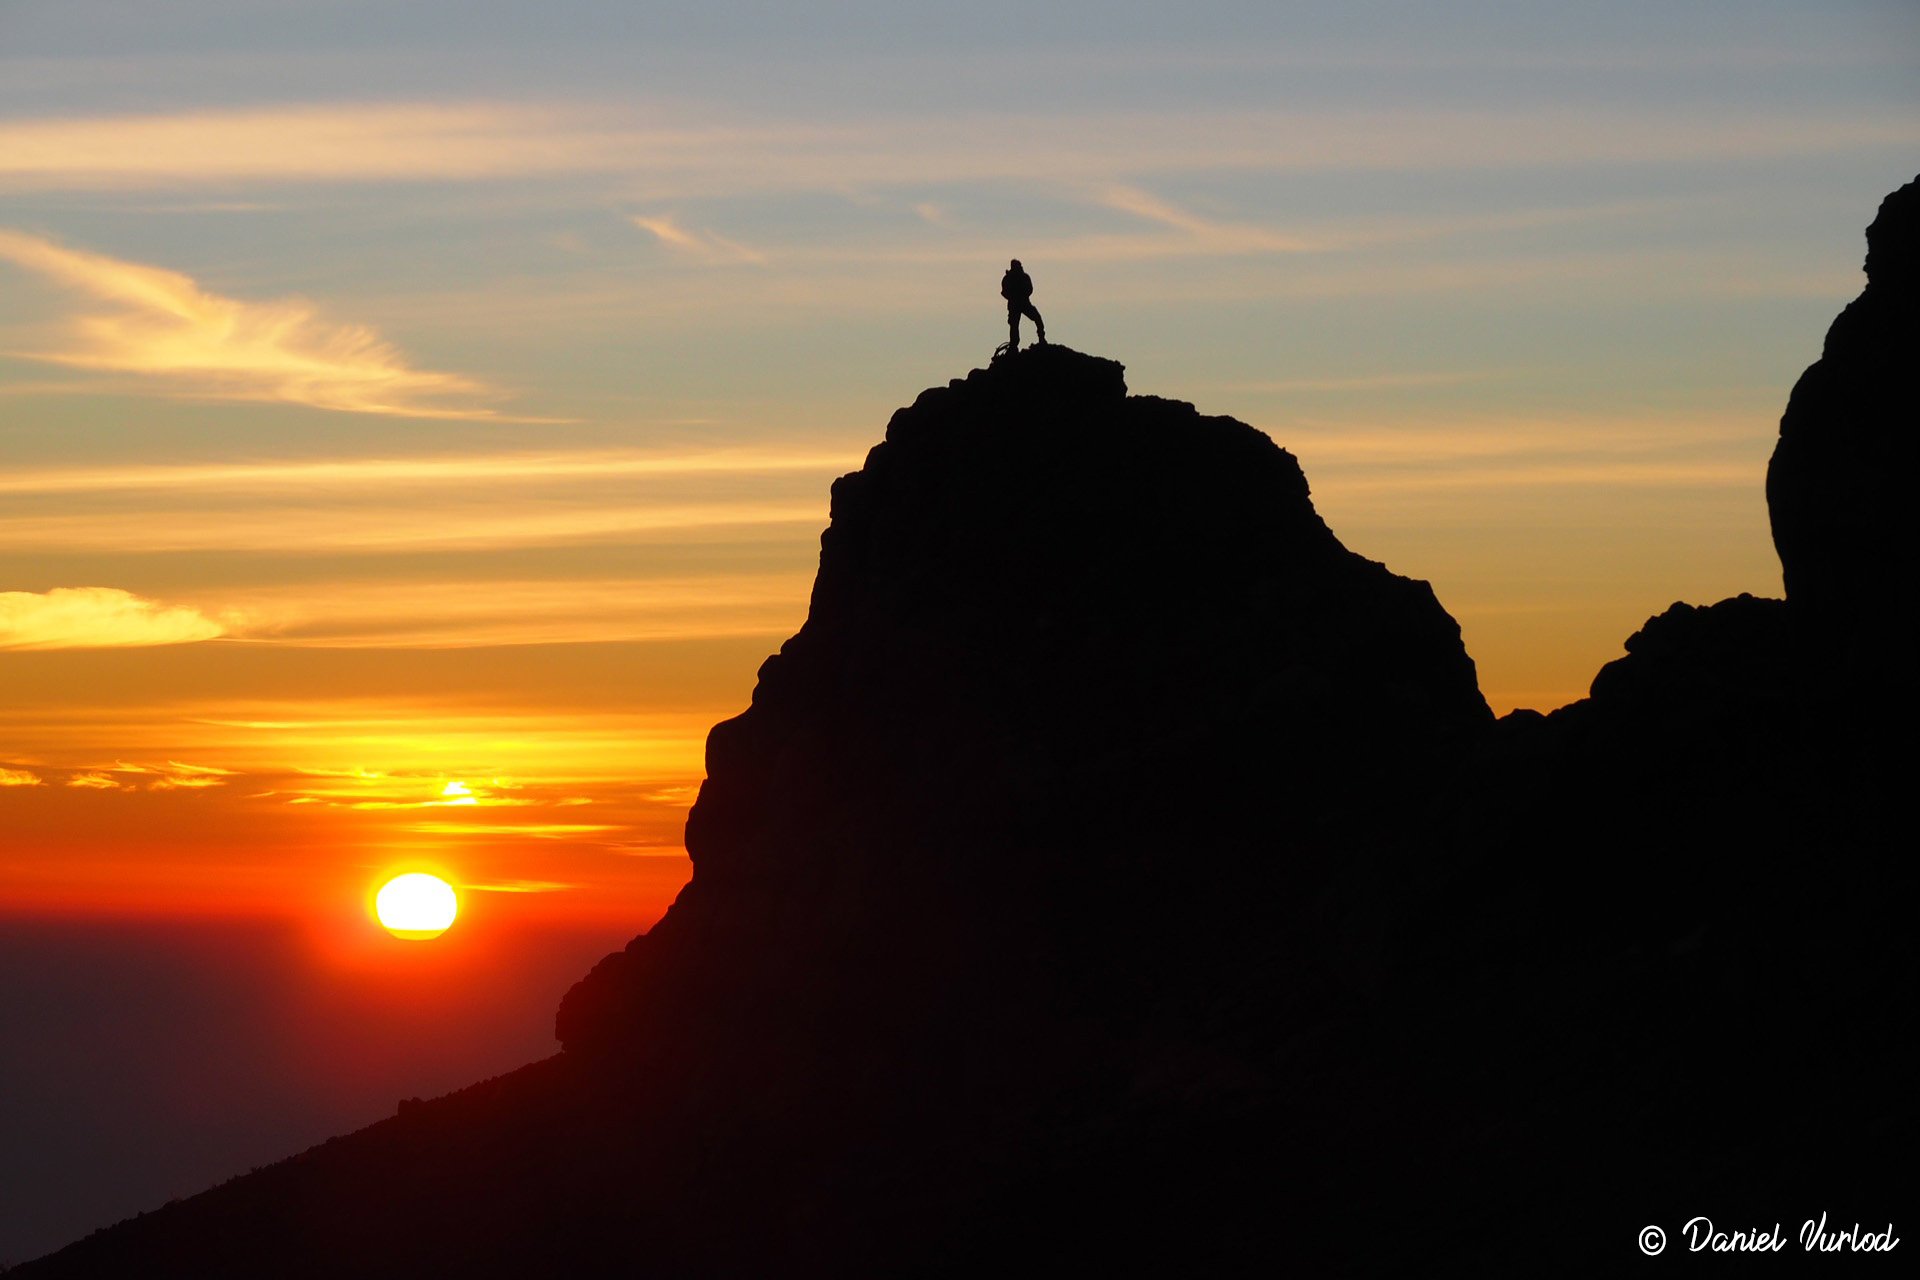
[[1015, 266]]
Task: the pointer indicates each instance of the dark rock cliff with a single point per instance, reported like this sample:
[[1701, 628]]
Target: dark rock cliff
[[1117, 871], [1085, 686], [1840, 487]]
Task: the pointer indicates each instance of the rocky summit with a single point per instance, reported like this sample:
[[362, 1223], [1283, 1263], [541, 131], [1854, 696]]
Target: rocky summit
[[1118, 870], [1084, 678]]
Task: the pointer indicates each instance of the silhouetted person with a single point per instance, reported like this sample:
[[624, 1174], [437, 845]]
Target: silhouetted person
[[1017, 288]]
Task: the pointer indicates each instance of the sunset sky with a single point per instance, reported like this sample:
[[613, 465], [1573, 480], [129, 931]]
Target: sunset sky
[[416, 421]]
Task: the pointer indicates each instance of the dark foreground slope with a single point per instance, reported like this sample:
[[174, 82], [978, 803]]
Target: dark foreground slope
[[1115, 869]]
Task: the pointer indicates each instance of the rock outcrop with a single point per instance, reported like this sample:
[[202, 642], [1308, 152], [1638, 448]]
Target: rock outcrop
[[1841, 483], [1086, 686]]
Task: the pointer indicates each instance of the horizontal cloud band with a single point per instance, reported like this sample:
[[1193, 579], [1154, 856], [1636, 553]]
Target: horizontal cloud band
[[96, 618]]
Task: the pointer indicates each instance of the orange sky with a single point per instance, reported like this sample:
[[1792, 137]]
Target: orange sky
[[414, 432]]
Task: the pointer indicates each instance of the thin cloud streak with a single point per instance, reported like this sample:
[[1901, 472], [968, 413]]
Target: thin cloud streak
[[1439, 441], [171, 776], [168, 329], [408, 615], [380, 738], [1352, 459], [412, 142], [473, 526], [1541, 475], [537, 830], [355, 474], [1368, 382], [1205, 234], [1190, 235], [702, 246]]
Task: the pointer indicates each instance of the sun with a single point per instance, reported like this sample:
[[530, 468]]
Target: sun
[[416, 905]]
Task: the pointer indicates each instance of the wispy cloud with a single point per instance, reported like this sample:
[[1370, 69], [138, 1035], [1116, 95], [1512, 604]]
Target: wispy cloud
[[1360, 462], [121, 776], [1205, 234], [377, 528], [164, 327], [1367, 382], [355, 474], [406, 615], [456, 502], [702, 246], [304, 143], [1538, 476], [1430, 442], [537, 830], [680, 153], [96, 618], [174, 776]]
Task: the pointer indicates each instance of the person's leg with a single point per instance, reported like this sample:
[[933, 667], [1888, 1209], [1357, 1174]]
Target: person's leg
[[1013, 326], [1039, 325]]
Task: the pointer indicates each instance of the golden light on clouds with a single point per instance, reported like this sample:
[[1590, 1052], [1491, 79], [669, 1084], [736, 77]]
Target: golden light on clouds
[[396, 141], [304, 793], [424, 503], [164, 327], [538, 830], [96, 617], [385, 753], [702, 246], [121, 776], [445, 615], [174, 774], [354, 474], [470, 524]]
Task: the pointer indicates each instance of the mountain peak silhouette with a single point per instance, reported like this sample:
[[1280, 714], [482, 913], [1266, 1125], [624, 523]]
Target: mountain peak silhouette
[[1115, 869], [1046, 612]]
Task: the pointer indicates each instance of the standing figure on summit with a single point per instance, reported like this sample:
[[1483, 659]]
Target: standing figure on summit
[[1017, 288]]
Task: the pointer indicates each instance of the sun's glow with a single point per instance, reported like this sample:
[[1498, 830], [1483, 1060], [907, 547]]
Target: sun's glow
[[416, 905]]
